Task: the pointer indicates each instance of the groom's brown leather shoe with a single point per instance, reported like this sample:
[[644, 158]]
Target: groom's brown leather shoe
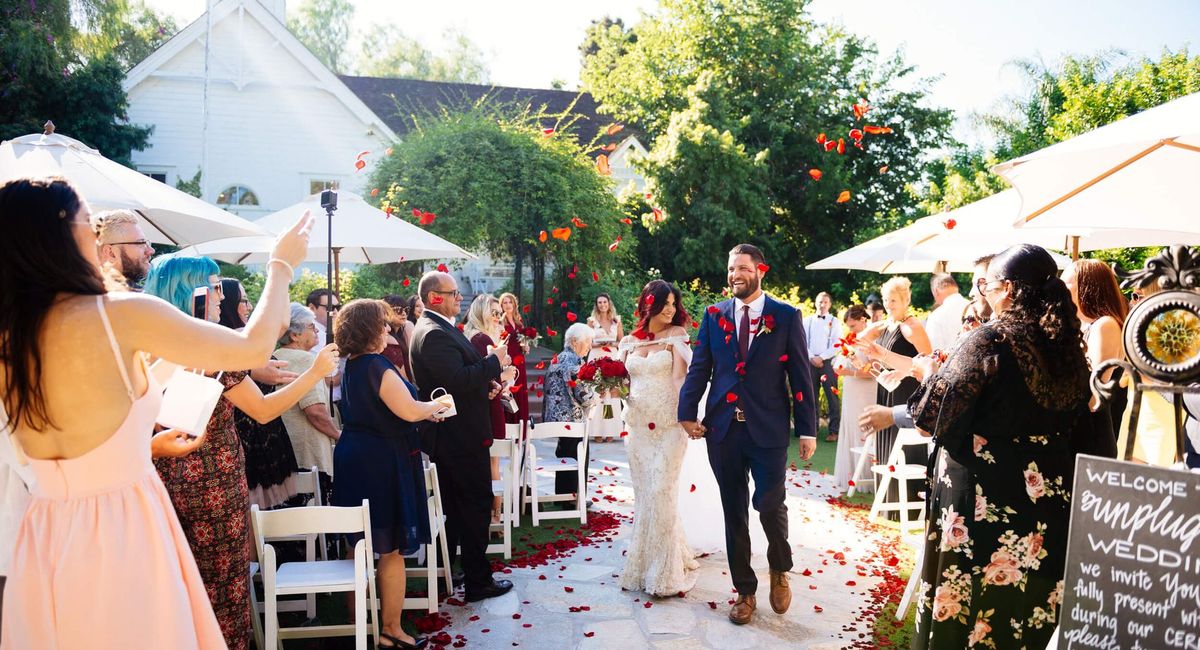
[[781, 593], [743, 610]]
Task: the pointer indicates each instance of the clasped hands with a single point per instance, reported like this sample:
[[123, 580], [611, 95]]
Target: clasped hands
[[694, 430]]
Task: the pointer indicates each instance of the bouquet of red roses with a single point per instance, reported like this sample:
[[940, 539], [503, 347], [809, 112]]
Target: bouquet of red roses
[[605, 374]]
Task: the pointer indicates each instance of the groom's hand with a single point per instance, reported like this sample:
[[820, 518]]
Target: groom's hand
[[694, 430], [808, 446]]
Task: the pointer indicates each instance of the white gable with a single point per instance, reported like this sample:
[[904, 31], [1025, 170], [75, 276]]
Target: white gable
[[276, 120]]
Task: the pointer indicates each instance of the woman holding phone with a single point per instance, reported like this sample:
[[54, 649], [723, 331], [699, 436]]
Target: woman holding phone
[[82, 408], [209, 488], [378, 456]]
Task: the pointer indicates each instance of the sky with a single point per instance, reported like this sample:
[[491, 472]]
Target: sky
[[968, 44]]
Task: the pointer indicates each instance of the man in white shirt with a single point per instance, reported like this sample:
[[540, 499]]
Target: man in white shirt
[[944, 324], [823, 330]]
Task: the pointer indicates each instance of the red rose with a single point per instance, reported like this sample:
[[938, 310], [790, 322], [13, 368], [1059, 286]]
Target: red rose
[[768, 322], [587, 371]]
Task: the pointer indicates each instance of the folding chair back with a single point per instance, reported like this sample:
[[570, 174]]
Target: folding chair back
[[536, 467]]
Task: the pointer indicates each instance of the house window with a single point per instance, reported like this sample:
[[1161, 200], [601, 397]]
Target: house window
[[158, 176], [237, 195], [318, 185]]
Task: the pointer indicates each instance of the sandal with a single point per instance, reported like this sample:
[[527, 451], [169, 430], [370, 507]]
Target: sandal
[[418, 642]]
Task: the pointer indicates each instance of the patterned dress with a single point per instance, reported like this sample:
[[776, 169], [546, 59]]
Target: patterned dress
[[997, 535], [208, 490], [270, 459]]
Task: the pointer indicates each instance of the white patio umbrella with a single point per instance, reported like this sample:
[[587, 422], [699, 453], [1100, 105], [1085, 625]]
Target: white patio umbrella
[[362, 233], [1137, 173], [168, 216]]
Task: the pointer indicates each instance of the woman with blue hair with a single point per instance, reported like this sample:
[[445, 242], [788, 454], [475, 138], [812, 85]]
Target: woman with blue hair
[[208, 488]]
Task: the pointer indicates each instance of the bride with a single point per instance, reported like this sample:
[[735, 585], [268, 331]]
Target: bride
[[660, 561]]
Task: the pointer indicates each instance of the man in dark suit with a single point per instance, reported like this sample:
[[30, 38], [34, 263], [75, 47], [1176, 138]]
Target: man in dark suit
[[752, 357], [443, 358]]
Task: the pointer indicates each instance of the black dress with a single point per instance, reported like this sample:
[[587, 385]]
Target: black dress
[[893, 339], [378, 458], [996, 541], [270, 459]]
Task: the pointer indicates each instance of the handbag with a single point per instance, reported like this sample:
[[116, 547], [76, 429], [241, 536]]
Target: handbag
[[447, 400], [188, 401]]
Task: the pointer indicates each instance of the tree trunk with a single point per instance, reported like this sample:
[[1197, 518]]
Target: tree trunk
[[518, 260], [538, 267]]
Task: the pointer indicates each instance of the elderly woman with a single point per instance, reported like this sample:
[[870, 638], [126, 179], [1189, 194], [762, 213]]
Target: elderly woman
[[565, 400], [1002, 412], [308, 422]]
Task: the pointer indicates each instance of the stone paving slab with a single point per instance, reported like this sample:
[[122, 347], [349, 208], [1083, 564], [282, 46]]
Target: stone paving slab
[[621, 620]]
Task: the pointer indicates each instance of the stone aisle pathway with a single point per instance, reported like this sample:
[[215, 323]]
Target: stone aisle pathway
[[573, 602]]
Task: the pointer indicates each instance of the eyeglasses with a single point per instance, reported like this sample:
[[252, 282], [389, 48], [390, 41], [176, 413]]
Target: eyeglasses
[[456, 293], [142, 243], [972, 320], [1134, 297], [981, 283], [496, 313], [335, 307], [988, 286]]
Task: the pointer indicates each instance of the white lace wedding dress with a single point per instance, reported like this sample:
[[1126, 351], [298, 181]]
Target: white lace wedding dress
[[659, 561]]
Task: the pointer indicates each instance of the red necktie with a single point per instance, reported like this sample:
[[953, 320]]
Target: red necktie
[[744, 332]]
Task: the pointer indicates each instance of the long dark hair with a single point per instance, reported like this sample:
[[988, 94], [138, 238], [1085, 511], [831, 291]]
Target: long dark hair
[[231, 298], [39, 260], [1098, 291], [1042, 311], [651, 303]]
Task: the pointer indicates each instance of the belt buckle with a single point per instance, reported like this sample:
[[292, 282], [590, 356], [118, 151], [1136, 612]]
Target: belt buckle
[[739, 415]]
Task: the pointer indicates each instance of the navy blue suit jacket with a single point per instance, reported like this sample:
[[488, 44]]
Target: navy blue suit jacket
[[775, 389]]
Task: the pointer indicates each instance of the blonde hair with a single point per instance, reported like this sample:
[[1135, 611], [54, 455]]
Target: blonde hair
[[108, 221], [516, 307], [899, 286], [478, 318]]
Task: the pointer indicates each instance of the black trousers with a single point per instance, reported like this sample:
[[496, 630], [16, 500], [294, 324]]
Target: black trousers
[[733, 460], [825, 379], [568, 482], [466, 485]]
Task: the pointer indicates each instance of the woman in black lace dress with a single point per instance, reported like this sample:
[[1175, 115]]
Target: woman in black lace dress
[[1002, 412]]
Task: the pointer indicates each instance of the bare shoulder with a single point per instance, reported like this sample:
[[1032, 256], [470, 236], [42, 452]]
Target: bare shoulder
[[675, 330], [912, 324], [1106, 326]]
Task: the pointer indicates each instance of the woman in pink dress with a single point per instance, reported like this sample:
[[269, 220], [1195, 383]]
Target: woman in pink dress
[[100, 559]]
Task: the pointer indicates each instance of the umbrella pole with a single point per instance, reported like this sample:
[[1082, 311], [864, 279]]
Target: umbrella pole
[[330, 206], [1074, 248]]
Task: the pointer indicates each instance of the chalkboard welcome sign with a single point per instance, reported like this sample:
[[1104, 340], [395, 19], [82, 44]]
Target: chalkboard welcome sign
[[1133, 559]]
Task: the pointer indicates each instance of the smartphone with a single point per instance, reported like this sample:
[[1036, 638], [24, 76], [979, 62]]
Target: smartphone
[[200, 303]]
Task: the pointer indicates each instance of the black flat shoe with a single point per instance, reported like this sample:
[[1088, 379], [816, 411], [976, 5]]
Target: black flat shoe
[[497, 588], [418, 642]]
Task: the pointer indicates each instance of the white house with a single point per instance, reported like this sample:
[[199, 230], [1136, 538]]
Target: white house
[[236, 95]]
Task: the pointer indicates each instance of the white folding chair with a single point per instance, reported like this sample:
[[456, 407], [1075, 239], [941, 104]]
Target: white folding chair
[[507, 450], [864, 452], [914, 579], [896, 469], [538, 470], [255, 624], [356, 575], [429, 552]]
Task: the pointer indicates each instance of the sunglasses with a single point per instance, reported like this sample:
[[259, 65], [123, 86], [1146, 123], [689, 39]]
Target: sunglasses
[[496, 313], [972, 320], [333, 308]]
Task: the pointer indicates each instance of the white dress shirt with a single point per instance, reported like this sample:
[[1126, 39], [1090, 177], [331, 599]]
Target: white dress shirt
[[822, 332], [445, 319], [756, 310], [944, 324]]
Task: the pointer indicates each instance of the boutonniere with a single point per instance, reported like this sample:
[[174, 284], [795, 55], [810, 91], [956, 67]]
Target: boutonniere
[[765, 325]]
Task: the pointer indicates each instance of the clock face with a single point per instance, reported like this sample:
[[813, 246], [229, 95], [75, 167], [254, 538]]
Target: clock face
[[1162, 337]]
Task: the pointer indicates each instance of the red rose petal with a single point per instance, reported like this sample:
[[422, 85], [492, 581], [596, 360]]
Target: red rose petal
[[650, 426], [818, 608], [647, 604], [730, 398], [569, 590], [763, 268], [693, 488], [799, 396], [783, 358], [442, 268], [713, 309]]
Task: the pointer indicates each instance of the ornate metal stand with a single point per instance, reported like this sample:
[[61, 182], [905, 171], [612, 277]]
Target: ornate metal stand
[[1161, 338]]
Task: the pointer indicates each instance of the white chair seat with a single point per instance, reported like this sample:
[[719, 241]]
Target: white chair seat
[[907, 472], [330, 575]]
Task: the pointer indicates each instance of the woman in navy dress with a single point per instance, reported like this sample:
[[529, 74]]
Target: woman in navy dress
[[378, 457]]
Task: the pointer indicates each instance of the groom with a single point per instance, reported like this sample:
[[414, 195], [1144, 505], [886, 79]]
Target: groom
[[752, 357]]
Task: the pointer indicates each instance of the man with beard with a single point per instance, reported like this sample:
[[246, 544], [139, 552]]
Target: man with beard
[[123, 246], [752, 358]]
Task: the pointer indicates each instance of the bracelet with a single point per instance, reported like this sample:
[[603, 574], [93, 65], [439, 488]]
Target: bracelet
[[291, 270]]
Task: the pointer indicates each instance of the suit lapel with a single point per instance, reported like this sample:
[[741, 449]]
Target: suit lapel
[[768, 308], [456, 335], [727, 312]]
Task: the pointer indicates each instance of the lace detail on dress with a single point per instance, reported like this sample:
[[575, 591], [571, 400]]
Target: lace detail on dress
[[659, 560]]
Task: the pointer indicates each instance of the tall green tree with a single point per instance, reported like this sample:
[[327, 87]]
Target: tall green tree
[[388, 52], [65, 61], [324, 26], [733, 95], [498, 182]]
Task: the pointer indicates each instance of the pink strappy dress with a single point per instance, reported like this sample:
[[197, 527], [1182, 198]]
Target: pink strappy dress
[[100, 558]]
